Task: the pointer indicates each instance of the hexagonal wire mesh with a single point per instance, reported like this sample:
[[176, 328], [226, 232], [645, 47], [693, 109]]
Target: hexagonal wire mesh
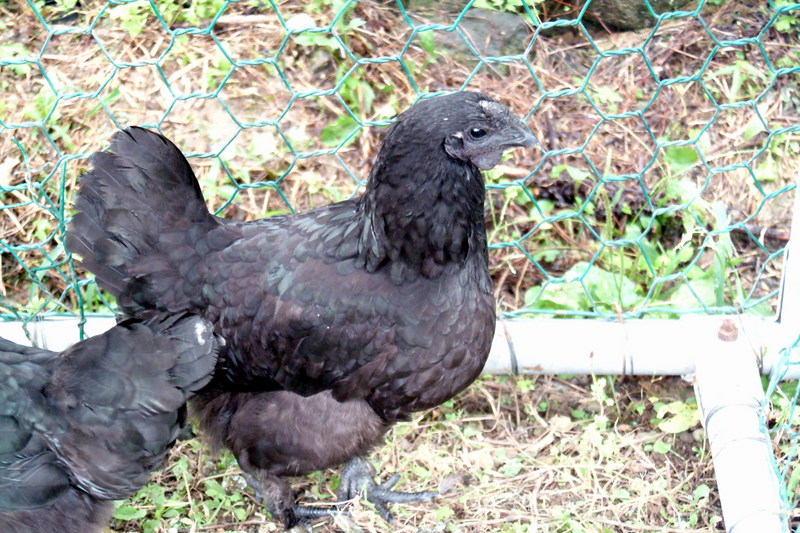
[[663, 185], [783, 421]]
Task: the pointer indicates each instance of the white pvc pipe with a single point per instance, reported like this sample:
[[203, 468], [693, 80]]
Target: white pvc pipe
[[731, 400], [648, 347], [55, 334]]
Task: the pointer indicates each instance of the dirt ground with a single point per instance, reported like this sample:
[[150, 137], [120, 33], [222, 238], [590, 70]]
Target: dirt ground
[[535, 454]]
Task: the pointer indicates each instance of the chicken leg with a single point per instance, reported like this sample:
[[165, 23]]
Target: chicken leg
[[276, 494]]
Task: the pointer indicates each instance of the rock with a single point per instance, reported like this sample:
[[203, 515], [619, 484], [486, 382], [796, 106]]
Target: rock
[[618, 14], [492, 33]]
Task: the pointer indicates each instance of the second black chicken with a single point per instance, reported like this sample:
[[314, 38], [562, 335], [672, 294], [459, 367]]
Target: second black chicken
[[87, 426], [339, 321]]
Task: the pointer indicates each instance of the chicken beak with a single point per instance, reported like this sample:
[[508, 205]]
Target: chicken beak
[[519, 136]]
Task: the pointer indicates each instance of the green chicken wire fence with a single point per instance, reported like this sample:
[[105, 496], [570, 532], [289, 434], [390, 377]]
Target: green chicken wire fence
[[663, 185], [782, 419]]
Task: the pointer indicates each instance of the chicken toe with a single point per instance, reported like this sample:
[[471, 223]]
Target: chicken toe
[[357, 479], [277, 496]]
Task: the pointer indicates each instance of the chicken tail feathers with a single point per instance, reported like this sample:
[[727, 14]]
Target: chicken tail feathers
[[126, 392], [193, 346], [91, 423], [141, 222], [74, 511]]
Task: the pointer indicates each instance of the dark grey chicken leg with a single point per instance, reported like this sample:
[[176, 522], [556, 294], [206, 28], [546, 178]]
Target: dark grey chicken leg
[[276, 494], [357, 479]]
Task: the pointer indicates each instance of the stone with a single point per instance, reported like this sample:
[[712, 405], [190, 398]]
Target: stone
[[616, 14], [492, 33]]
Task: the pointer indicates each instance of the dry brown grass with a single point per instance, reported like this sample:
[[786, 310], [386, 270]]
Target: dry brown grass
[[545, 455]]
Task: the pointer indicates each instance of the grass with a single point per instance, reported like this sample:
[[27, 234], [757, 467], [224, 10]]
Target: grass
[[646, 199], [523, 454]]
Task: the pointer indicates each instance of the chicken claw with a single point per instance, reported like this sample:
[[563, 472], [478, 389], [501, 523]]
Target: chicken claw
[[357, 479], [275, 494]]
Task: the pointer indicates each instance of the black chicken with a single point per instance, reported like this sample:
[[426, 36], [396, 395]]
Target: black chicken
[[86, 426], [338, 321]]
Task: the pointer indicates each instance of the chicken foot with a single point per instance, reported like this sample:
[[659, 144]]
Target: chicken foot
[[357, 479], [276, 494]]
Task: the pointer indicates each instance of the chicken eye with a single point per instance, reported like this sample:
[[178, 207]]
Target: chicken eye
[[477, 133]]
